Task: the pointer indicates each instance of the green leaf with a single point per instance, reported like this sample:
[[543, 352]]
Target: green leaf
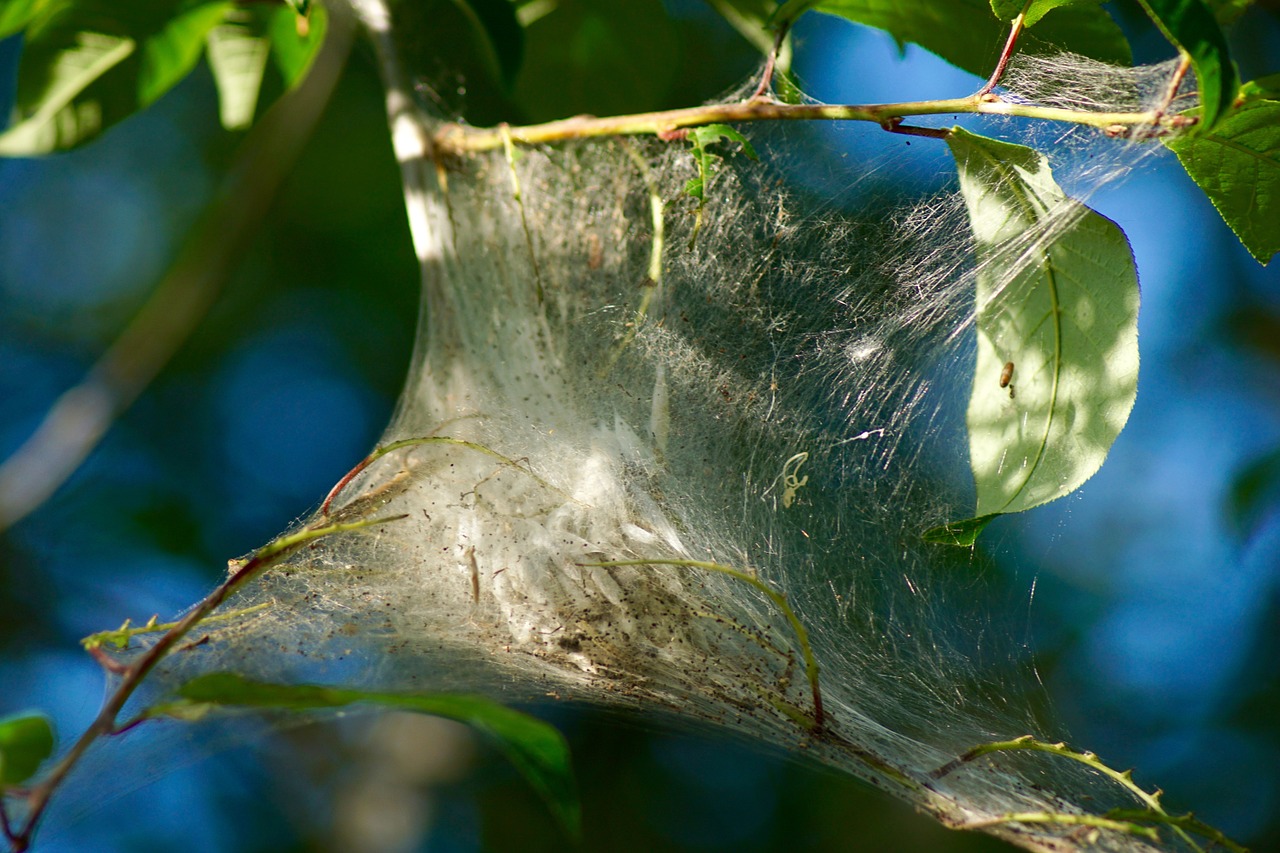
[[171, 53], [16, 14], [536, 749], [969, 36], [293, 49], [1264, 87], [1237, 164], [1193, 29], [238, 50], [701, 138], [1057, 311], [1032, 10], [959, 533], [63, 55], [88, 64], [26, 740]]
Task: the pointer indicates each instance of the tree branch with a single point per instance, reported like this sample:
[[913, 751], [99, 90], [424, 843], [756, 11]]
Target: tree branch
[[456, 139]]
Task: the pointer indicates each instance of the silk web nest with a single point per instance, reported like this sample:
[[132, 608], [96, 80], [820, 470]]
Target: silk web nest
[[680, 461]]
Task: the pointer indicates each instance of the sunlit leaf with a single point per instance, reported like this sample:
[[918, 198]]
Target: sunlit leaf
[[64, 53], [238, 50], [1237, 164], [1193, 29], [1057, 309], [26, 740], [535, 748], [88, 64]]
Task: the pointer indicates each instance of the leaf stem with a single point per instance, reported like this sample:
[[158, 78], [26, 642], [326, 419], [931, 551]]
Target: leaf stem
[[1127, 827], [1175, 82], [1155, 810], [1015, 30], [766, 77]]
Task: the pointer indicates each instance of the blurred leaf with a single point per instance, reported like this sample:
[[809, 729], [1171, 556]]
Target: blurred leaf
[[1192, 28], [238, 50], [536, 749], [1255, 490], [500, 36], [1057, 298], [171, 53], [1237, 164], [969, 36], [598, 58], [26, 740], [1227, 11], [1264, 87], [63, 54], [294, 49], [88, 64], [16, 14]]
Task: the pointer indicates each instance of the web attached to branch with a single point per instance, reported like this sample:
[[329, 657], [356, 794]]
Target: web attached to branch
[[681, 475]]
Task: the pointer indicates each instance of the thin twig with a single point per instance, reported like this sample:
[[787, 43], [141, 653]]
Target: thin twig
[[456, 139], [1175, 83], [766, 77]]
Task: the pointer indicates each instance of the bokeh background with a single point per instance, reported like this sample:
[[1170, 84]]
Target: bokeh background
[[1155, 618]]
